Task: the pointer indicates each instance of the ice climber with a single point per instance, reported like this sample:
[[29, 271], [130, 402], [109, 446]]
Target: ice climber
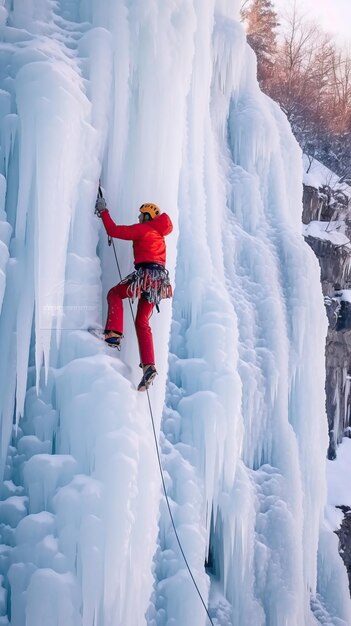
[[149, 283]]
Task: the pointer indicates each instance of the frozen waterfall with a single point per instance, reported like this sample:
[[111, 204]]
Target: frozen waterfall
[[160, 99]]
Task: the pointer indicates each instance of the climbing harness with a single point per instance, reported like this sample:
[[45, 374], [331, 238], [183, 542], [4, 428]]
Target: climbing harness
[[150, 281], [111, 242]]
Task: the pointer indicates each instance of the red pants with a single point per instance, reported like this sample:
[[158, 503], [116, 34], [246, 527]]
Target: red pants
[[144, 312]]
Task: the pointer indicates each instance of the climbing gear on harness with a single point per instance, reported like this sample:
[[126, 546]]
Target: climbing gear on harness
[[148, 376], [151, 209], [150, 281]]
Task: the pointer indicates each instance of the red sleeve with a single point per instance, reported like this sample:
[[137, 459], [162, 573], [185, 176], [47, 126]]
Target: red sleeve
[[169, 225], [163, 224], [122, 232]]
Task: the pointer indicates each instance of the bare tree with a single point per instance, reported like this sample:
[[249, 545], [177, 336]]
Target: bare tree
[[311, 81], [262, 22]]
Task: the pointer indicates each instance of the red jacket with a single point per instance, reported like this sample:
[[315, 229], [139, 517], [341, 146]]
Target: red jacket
[[148, 238]]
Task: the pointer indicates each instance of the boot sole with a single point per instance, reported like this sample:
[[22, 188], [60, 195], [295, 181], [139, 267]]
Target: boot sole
[[143, 386]]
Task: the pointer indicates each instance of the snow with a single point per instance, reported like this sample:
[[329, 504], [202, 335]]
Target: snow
[[43, 473], [5, 233], [339, 491], [59, 597], [161, 100], [316, 175], [13, 509], [35, 527], [344, 295], [333, 231]]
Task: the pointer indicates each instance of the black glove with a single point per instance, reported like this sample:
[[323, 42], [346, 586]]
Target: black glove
[[100, 205]]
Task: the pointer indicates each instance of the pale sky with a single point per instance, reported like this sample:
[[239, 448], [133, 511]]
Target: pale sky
[[334, 16]]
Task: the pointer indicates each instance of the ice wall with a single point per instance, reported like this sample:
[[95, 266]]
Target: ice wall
[[163, 97], [81, 490]]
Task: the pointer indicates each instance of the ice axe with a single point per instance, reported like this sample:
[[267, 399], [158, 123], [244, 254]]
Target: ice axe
[[99, 196]]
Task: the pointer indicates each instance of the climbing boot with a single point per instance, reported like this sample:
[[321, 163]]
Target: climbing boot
[[113, 339], [148, 376]]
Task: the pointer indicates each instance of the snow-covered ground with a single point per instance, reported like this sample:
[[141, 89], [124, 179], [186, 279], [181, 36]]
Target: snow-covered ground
[[317, 175], [161, 100], [339, 489], [333, 231]]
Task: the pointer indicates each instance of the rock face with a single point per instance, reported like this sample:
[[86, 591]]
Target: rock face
[[335, 263], [324, 204], [344, 534]]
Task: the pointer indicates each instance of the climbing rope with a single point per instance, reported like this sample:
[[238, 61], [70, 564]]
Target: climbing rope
[[110, 241]]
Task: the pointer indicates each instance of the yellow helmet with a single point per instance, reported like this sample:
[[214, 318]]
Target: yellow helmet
[[151, 209]]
